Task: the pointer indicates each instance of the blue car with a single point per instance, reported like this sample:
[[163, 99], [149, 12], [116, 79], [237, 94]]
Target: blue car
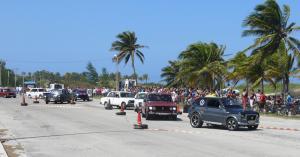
[[226, 112]]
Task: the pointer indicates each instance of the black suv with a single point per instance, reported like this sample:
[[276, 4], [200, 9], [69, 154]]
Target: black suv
[[58, 95], [227, 112]]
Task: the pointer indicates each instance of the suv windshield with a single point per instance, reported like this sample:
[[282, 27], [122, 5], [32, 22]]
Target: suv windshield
[[127, 95], [156, 97], [232, 103]]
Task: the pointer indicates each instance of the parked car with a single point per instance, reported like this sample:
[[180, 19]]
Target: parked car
[[118, 98], [35, 92], [139, 100], [58, 95], [81, 94], [226, 112], [8, 93], [156, 104]]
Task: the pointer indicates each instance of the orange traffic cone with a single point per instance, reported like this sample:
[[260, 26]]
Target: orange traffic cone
[[122, 112], [139, 124], [36, 100], [23, 103]]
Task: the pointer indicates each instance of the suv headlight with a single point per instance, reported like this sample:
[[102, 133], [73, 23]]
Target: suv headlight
[[152, 108], [173, 108]]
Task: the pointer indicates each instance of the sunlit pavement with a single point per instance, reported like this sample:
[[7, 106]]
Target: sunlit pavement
[[86, 129]]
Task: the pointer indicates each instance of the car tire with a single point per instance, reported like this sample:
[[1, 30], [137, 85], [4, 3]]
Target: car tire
[[55, 102], [252, 127], [47, 102], [196, 121], [232, 124]]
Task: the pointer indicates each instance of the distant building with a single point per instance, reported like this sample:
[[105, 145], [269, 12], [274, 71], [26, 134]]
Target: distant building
[[30, 84]]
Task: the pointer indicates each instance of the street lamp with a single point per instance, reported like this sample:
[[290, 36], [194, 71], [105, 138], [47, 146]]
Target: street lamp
[[116, 59]]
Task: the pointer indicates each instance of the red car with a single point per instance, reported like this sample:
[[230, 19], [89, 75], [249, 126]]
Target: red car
[[7, 93], [156, 104]]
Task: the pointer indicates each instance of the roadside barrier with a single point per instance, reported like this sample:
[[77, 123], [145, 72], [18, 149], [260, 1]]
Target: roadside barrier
[[121, 112], [23, 103], [36, 100], [139, 124]]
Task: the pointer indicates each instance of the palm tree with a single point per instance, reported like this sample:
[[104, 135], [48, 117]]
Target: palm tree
[[269, 23], [202, 65], [239, 68], [128, 49], [146, 78], [169, 73]]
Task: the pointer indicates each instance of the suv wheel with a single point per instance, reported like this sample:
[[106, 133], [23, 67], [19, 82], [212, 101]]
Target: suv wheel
[[232, 124], [252, 127], [196, 121]]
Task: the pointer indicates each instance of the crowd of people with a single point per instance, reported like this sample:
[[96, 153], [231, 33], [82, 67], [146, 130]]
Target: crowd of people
[[249, 99]]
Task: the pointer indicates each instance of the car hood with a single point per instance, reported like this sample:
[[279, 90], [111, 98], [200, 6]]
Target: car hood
[[160, 103], [239, 110]]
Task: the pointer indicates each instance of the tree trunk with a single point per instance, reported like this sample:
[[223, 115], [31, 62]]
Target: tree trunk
[[133, 67], [286, 83], [262, 85]]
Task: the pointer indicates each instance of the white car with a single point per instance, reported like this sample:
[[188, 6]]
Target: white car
[[118, 98], [35, 92], [139, 99]]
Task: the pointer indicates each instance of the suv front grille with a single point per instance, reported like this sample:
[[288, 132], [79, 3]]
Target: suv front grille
[[131, 102], [162, 109]]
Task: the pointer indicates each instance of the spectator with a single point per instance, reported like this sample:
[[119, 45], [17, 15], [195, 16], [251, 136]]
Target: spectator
[[252, 98], [244, 98], [289, 101], [262, 101]]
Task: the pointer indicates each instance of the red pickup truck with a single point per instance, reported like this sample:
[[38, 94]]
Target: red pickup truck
[[156, 104], [7, 93]]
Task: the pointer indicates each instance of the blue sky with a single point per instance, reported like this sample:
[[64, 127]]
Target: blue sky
[[64, 35]]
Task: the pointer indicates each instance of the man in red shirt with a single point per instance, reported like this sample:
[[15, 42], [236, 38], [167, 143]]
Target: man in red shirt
[[262, 101]]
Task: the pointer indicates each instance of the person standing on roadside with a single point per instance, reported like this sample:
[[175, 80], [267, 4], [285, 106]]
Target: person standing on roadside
[[262, 101], [244, 98], [252, 99], [289, 101]]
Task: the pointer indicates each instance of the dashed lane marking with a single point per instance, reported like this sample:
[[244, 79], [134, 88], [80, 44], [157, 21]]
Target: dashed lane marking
[[57, 106], [278, 128]]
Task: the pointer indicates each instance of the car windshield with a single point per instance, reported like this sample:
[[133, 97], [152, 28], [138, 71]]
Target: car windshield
[[56, 92], [142, 96], [41, 90], [232, 103], [127, 95], [157, 97], [6, 90]]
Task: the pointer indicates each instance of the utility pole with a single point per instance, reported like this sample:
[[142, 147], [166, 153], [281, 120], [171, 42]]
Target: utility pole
[[7, 78], [16, 71]]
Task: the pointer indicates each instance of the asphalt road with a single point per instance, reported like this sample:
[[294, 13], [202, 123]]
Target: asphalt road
[[87, 130]]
